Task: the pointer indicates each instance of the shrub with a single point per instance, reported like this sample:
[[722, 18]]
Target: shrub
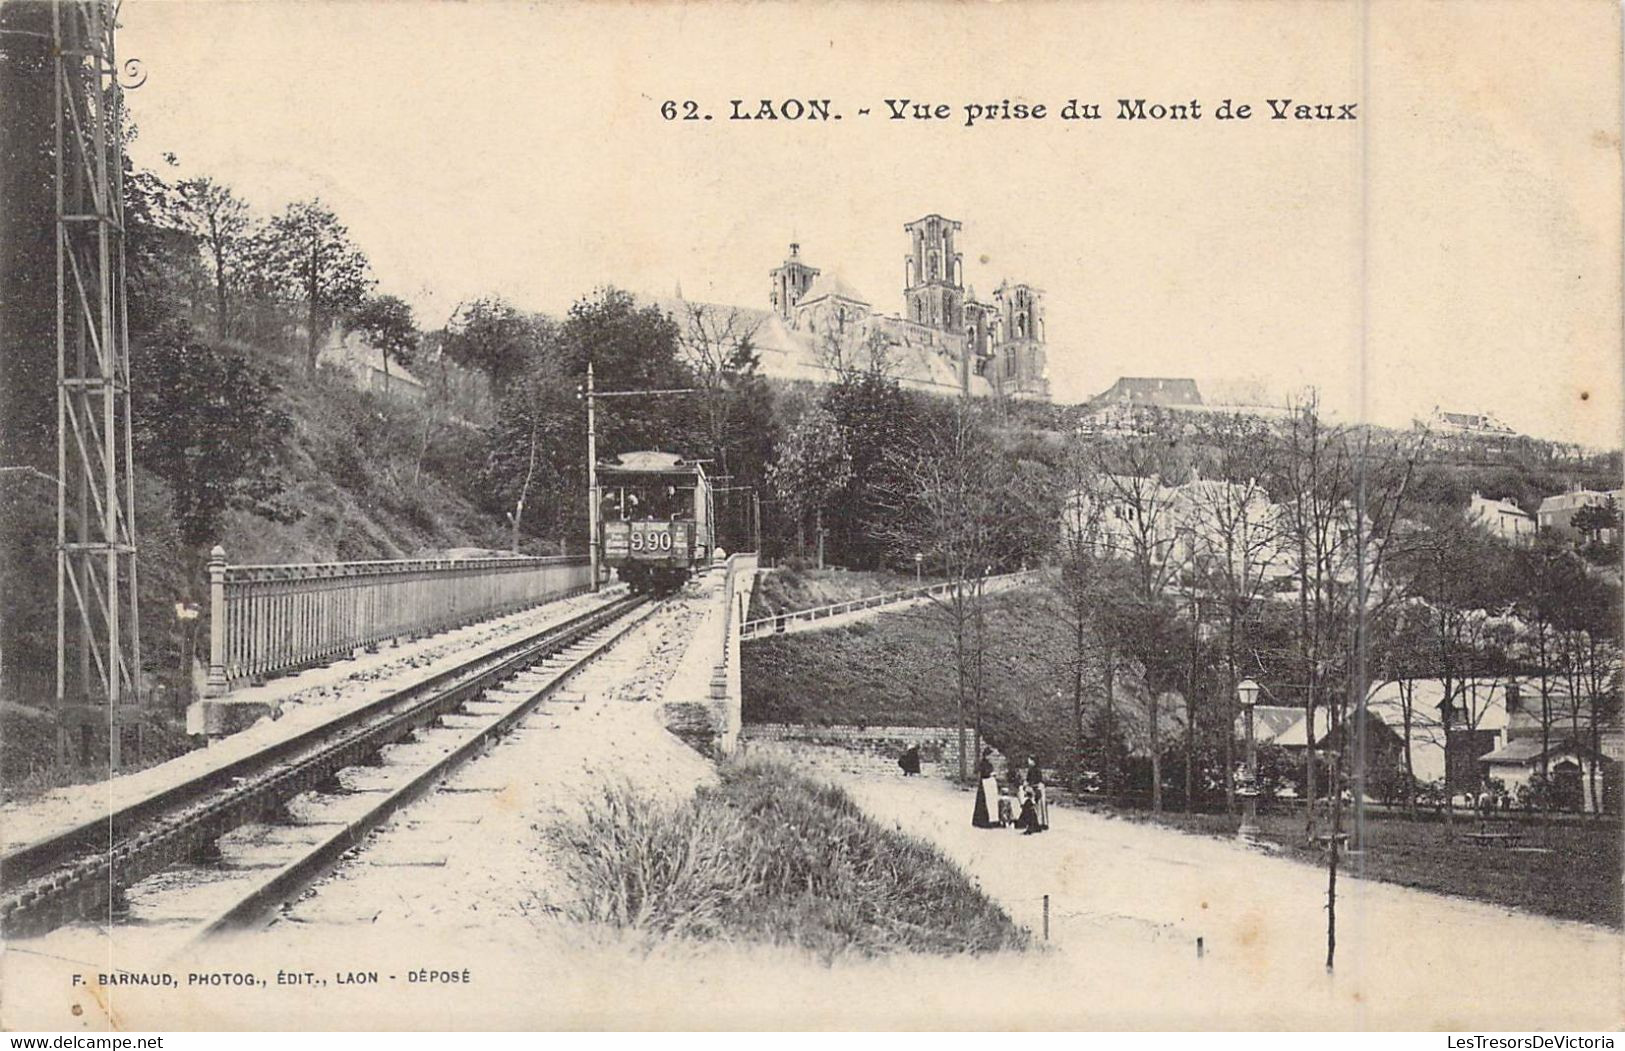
[[771, 855]]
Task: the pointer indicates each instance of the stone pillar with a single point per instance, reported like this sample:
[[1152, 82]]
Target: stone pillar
[[216, 684]]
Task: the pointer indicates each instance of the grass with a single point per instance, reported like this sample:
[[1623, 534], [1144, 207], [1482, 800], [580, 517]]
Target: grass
[[898, 670], [793, 587], [1579, 879], [771, 856]]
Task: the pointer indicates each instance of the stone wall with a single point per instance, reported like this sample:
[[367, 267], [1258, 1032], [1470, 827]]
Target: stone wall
[[939, 745]]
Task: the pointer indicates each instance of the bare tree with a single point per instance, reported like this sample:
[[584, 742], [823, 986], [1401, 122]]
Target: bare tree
[[1079, 578], [717, 344], [945, 505], [223, 226], [1237, 536]]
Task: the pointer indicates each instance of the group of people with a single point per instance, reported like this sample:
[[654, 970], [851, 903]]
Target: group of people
[[994, 809]]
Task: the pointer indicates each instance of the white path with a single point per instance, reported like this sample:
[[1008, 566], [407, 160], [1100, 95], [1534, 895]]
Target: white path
[[1129, 901]]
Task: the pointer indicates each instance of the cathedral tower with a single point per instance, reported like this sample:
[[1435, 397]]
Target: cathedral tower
[[791, 279], [1020, 366], [933, 284]]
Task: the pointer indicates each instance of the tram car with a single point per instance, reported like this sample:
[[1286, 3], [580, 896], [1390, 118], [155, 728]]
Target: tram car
[[658, 520]]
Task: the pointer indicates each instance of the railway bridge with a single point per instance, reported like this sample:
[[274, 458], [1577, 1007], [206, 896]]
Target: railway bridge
[[343, 694]]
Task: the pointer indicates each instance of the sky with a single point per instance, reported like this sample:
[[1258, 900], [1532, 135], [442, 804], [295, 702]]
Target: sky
[[1457, 245]]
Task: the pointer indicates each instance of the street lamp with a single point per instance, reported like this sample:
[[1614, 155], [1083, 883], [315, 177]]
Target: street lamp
[[1247, 694]]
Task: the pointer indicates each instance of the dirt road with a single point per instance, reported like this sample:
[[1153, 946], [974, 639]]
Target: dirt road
[[1128, 902]]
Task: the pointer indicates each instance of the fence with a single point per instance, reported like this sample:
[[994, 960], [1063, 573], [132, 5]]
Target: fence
[[268, 620], [780, 622]]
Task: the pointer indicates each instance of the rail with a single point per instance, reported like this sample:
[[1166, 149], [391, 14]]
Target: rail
[[780, 622], [77, 871], [272, 619]]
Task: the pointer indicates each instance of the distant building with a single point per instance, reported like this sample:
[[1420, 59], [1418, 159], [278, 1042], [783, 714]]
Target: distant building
[[946, 340], [1501, 518], [1556, 513], [1467, 423], [351, 352], [1158, 391]]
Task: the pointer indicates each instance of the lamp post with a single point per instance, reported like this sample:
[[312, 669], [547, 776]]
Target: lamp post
[[1247, 694]]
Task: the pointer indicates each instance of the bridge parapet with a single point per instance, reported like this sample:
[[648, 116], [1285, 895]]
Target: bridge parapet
[[268, 620], [703, 698]]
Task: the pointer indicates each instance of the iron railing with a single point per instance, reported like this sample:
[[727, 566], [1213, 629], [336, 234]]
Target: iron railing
[[272, 619], [777, 623]]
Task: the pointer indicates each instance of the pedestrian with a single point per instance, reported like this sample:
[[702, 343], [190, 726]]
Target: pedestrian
[[987, 793], [1033, 778], [910, 761]]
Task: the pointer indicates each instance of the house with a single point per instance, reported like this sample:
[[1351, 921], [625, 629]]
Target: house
[[1467, 423], [1578, 774], [1501, 518], [351, 353], [1485, 716], [1196, 526], [1275, 724], [1556, 513], [1159, 391]]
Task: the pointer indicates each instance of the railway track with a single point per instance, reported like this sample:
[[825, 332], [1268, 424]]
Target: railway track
[[84, 871]]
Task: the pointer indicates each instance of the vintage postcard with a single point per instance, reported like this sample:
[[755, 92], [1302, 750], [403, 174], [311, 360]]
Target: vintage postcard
[[884, 516]]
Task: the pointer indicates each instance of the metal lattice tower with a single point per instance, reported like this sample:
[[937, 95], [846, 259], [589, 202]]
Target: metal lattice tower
[[98, 669]]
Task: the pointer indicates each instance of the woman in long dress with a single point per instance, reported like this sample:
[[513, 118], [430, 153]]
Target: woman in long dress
[[987, 793], [1035, 806]]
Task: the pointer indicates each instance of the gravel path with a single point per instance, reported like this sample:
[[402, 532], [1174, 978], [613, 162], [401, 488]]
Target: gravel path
[[1136, 897]]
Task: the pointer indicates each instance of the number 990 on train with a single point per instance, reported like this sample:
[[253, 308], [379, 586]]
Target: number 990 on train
[[657, 518]]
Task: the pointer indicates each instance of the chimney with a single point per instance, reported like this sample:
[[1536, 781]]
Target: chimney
[[1513, 697]]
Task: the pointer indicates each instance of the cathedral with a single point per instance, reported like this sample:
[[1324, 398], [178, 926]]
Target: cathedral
[[946, 340], [946, 336]]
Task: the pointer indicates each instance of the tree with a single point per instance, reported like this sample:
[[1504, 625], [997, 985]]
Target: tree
[[1235, 536], [1545, 577], [813, 465], [387, 324], [494, 336], [943, 504], [207, 424], [317, 267], [1079, 579], [221, 222], [1344, 491], [877, 418], [1452, 576], [716, 345], [1592, 519]]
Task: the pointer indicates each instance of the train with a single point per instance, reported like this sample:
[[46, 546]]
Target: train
[[658, 520]]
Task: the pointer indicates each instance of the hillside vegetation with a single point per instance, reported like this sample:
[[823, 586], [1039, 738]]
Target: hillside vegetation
[[897, 669], [795, 586], [352, 484]]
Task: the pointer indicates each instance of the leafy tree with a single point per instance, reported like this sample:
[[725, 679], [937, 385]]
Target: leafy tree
[[206, 423], [387, 324], [876, 418], [316, 266], [494, 336], [1592, 519]]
